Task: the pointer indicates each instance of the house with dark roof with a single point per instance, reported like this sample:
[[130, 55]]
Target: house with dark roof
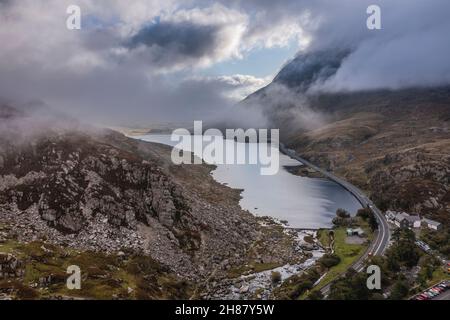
[[404, 220]]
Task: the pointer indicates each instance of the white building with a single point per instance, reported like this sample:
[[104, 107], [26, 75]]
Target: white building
[[431, 224], [390, 215], [405, 220]]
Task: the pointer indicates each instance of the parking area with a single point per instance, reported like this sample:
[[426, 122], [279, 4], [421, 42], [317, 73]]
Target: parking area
[[439, 291]]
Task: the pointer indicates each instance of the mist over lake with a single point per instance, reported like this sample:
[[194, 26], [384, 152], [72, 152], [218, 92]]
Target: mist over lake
[[303, 202]]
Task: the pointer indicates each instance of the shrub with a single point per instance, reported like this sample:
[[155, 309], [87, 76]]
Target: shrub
[[364, 213], [329, 260], [400, 290], [301, 288], [342, 213], [276, 277], [315, 295]]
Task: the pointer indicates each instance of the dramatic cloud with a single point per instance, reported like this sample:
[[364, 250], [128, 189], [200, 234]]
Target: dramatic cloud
[[411, 49], [148, 60], [190, 38], [176, 41]]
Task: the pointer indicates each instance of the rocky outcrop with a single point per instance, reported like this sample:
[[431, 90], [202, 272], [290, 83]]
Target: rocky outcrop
[[73, 179], [10, 266], [415, 181], [98, 190]]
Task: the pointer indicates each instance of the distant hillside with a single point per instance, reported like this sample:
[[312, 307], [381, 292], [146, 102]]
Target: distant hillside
[[394, 144]]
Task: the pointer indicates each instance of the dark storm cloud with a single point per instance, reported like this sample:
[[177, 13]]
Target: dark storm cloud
[[127, 69], [169, 42]]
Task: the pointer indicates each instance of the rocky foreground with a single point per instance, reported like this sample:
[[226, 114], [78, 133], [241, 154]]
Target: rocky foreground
[[69, 191]]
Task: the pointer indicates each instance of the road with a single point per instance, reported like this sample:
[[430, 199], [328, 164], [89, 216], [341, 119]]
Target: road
[[381, 236]]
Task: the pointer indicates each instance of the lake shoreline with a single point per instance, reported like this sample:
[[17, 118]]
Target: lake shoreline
[[304, 202]]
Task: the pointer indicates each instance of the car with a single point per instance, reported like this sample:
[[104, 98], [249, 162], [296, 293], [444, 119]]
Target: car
[[437, 291]]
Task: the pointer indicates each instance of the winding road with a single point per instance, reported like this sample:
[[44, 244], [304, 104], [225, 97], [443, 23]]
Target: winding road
[[381, 236]]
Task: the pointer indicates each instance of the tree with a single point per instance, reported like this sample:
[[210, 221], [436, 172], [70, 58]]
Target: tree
[[364, 213], [438, 240], [315, 295], [367, 215], [400, 290], [329, 260], [373, 223], [351, 287], [301, 288], [404, 251], [276, 277], [342, 213]]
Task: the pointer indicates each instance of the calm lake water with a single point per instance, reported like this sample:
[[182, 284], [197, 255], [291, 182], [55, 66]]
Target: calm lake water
[[303, 202]]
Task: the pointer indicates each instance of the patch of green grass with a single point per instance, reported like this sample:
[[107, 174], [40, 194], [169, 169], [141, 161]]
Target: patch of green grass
[[8, 247], [348, 253], [438, 275], [253, 268], [104, 276], [324, 237]]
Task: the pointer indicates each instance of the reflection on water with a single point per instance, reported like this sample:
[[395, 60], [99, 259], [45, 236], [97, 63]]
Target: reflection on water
[[303, 202]]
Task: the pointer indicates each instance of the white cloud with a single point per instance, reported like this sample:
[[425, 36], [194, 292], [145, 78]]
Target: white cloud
[[96, 70], [243, 85]]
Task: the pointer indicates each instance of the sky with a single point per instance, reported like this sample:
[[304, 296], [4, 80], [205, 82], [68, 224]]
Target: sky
[[145, 61]]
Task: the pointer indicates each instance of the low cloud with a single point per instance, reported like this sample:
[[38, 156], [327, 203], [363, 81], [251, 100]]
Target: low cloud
[[285, 108], [146, 60]]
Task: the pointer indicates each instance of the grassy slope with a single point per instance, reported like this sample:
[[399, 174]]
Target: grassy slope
[[348, 253], [103, 276]]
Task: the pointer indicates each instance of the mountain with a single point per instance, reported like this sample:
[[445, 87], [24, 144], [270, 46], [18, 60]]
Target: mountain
[[69, 191], [395, 144], [309, 68]]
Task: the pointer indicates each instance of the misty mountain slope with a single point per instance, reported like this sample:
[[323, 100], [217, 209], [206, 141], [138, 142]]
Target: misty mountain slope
[[393, 143], [98, 190], [310, 68], [284, 102]]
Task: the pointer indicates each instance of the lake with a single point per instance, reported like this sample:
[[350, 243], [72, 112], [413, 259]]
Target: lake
[[303, 202]]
